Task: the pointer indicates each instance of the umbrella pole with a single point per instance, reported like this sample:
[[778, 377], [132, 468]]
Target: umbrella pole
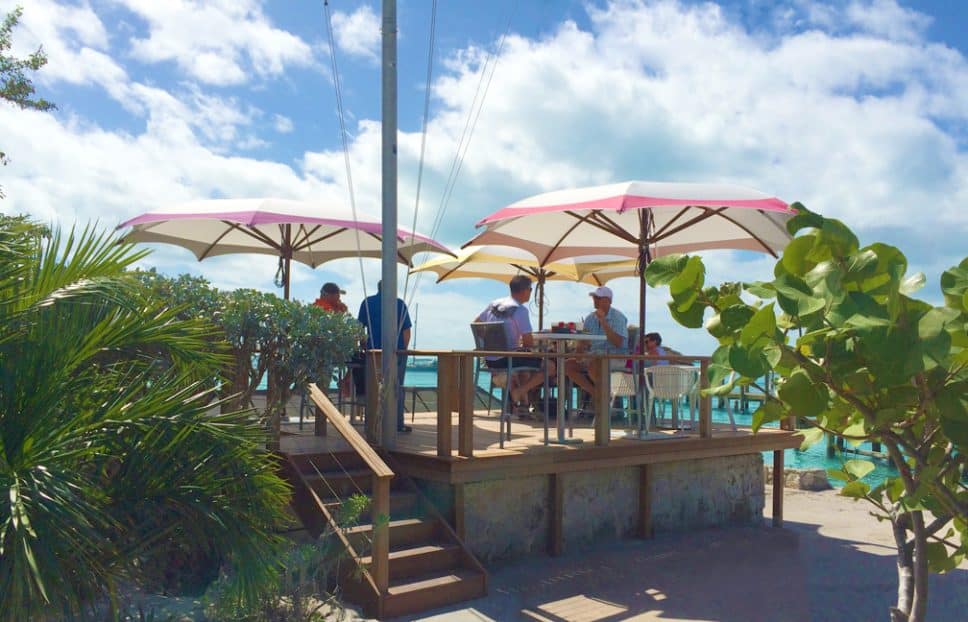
[[541, 282], [286, 265]]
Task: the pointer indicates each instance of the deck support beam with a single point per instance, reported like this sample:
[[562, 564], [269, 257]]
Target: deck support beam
[[778, 488], [556, 499], [645, 501]]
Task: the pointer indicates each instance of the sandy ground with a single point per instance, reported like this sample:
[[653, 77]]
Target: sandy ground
[[831, 561]]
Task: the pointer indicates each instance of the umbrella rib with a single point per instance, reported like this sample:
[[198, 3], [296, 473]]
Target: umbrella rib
[[709, 213], [592, 218], [671, 222], [234, 226]]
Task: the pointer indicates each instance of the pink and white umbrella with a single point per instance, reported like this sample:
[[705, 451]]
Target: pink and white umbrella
[[640, 219], [308, 232]]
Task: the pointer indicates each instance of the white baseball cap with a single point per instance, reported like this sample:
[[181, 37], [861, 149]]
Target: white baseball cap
[[602, 292]]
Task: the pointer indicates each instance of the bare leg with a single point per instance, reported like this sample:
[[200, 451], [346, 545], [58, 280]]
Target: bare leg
[[574, 371]]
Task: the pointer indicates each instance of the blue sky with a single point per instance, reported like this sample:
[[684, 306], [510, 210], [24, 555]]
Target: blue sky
[[859, 109]]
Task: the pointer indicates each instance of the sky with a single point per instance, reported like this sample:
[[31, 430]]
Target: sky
[[858, 109]]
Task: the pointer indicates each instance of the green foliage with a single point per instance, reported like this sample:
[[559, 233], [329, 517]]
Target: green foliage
[[855, 355], [285, 342], [109, 450], [304, 590]]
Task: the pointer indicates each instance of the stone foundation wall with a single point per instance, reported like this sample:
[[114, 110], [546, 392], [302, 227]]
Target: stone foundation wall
[[801, 479], [507, 518], [511, 518], [707, 493]]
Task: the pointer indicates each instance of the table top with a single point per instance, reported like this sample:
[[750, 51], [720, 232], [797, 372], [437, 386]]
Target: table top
[[550, 336]]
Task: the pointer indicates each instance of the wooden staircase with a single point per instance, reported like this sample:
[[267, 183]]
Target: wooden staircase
[[428, 566]]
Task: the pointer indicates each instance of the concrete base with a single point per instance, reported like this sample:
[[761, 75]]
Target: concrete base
[[510, 518]]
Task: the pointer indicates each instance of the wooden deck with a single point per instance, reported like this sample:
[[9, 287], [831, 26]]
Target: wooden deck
[[527, 454]]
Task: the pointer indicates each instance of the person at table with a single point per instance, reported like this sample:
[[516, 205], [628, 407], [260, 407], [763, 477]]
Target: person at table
[[517, 326], [653, 347], [614, 326], [371, 317]]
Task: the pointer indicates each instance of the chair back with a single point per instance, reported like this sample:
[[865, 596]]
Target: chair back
[[671, 381], [490, 336]]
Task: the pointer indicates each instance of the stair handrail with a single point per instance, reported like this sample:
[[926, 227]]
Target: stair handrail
[[382, 475]]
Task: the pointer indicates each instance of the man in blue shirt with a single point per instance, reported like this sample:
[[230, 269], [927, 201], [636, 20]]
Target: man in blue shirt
[[604, 320], [371, 317]]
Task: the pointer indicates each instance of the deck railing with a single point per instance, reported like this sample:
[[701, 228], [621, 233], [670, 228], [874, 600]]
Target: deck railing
[[456, 391], [380, 496]]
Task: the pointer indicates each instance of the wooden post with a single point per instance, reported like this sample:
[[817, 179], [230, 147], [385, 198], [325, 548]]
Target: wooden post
[[778, 488], [705, 402], [465, 406], [556, 496], [381, 534], [319, 425], [645, 501], [602, 400], [373, 362], [446, 387], [459, 511]]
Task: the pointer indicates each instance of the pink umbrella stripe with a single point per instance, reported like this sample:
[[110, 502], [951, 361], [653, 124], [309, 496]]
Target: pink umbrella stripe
[[621, 203]]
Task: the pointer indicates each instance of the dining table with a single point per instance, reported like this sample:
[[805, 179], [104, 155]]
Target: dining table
[[564, 343]]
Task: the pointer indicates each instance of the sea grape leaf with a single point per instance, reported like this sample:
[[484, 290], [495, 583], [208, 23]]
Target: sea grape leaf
[[662, 270], [858, 468], [810, 436], [855, 489], [806, 398], [768, 412]]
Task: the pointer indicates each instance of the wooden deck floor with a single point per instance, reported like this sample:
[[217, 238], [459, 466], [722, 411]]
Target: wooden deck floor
[[527, 452]]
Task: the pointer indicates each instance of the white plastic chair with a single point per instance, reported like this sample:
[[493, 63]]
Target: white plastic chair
[[673, 382], [624, 384]]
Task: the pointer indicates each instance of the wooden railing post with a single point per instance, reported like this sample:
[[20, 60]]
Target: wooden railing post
[[446, 388], [381, 534], [373, 360], [465, 405], [603, 400], [705, 401]]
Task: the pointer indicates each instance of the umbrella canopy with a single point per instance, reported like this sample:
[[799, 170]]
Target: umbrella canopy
[[640, 219], [308, 232], [502, 263]]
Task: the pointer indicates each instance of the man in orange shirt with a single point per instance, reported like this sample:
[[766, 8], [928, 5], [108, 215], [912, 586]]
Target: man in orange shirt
[[329, 298]]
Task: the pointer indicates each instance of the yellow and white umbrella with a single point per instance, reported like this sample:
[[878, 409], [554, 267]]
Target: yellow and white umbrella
[[502, 263]]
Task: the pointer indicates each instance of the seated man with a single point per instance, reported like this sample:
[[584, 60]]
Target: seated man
[[604, 320], [517, 327]]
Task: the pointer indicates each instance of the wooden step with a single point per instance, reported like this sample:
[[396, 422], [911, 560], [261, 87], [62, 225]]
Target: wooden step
[[432, 590], [421, 559], [403, 532]]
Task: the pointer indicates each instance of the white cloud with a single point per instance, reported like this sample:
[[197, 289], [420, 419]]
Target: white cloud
[[358, 33], [888, 19], [282, 123], [868, 127], [219, 42]]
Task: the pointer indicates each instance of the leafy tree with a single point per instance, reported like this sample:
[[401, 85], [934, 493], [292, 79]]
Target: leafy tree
[[856, 356], [110, 455], [15, 84]]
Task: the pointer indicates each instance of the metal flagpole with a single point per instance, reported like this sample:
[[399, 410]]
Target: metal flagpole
[[388, 311]]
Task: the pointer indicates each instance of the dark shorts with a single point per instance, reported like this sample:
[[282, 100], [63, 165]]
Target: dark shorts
[[517, 362]]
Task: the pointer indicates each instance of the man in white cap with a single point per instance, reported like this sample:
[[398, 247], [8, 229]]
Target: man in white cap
[[604, 320]]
